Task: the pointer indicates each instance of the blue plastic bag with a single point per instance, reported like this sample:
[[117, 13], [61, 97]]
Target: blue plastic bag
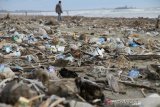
[[2, 67], [102, 40], [133, 44], [134, 73]]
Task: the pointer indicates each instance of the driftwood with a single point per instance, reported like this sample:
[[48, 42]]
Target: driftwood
[[131, 84], [110, 88], [140, 86], [58, 101], [142, 57], [142, 90]]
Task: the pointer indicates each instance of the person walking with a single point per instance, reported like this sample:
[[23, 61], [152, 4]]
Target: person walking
[[157, 22], [59, 11]]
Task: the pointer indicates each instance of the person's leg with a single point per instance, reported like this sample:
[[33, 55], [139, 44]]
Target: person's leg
[[60, 17], [157, 24]]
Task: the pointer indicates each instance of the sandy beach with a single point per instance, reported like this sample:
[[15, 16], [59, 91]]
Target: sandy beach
[[81, 36]]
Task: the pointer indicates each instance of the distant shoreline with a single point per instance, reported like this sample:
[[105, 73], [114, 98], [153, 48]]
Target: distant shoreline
[[79, 9], [114, 13]]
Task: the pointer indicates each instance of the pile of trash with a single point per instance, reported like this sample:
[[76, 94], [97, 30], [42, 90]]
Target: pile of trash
[[46, 64]]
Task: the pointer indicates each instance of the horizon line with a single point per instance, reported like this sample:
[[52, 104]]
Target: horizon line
[[22, 10]]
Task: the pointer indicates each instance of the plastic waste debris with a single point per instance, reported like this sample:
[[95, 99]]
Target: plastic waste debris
[[31, 39], [13, 54], [118, 42], [113, 83], [17, 53], [2, 66], [109, 40], [123, 103], [22, 101], [17, 68], [79, 104], [99, 70], [151, 101], [98, 41], [113, 44], [6, 72], [148, 34], [62, 41], [41, 73], [51, 48], [1, 33], [60, 56], [51, 69], [45, 36], [94, 40], [56, 48], [69, 57], [128, 50], [17, 37], [5, 105], [133, 44], [7, 49], [41, 31], [155, 33], [74, 47], [12, 30], [74, 36], [102, 40], [134, 73], [29, 58], [60, 48], [98, 52]]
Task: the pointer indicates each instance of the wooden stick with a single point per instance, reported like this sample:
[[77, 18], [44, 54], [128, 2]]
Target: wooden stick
[[46, 103], [142, 90], [128, 77], [143, 57], [36, 97], [140, 86], [62, 80], [4, 81], [76, 94], [59, 100]]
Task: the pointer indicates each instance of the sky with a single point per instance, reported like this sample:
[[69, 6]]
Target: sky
[[49, 5]]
